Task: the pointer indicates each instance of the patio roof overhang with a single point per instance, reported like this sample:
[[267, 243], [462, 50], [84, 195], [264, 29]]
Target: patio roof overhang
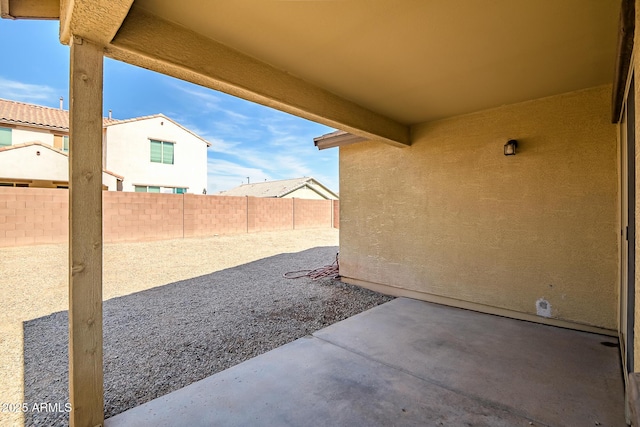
[[338, 138], [372, 70]]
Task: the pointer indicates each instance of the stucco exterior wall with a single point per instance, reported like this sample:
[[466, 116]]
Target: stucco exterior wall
[[25, 163], [20, 136], [109, 181], [452, 217], [128, 154], [46, 168]]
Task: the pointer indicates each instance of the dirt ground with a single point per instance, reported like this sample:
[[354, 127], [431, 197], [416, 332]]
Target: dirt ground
[[34, 282]]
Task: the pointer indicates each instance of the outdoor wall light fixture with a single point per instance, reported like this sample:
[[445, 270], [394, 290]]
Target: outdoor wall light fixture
[[510, 147]]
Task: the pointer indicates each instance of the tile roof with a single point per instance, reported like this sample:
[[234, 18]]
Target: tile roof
[[276, 188], [22, 113], [30, 143]]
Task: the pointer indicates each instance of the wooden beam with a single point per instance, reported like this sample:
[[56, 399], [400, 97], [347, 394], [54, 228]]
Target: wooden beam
[[148, 41], [95, 20], [85, 235], [30, 9]]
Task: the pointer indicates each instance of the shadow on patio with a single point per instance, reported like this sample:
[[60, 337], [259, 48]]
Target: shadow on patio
[[162, 339], [409, 362]]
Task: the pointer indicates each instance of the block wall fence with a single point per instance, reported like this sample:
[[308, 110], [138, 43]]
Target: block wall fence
[[31, 216]]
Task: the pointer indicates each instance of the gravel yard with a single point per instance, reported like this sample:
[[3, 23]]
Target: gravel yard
[[175, 312]]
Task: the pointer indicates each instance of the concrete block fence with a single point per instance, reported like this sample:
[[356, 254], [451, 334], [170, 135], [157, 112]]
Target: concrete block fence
[[31, 216]]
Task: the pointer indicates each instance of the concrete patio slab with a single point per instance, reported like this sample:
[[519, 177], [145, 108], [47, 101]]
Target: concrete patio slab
[[556, 376], [409, 362]]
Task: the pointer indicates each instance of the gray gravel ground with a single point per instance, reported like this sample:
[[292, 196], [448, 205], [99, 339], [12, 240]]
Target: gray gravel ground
[[164, 338]]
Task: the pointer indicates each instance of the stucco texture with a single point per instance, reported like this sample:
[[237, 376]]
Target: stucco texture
[[451, 216]]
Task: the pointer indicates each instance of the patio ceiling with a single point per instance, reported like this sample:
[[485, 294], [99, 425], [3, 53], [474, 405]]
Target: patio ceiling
[[372, 68], [417, 61]]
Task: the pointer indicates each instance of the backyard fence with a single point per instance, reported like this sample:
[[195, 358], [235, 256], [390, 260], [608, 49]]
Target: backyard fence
[[41, 215]]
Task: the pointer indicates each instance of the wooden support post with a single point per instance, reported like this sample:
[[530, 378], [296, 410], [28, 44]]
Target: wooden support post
[[85, 235]]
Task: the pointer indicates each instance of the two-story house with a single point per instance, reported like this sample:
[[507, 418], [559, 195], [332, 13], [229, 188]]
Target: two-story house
[[148, 154]]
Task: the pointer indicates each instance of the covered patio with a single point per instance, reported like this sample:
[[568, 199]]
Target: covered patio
[[409, 362], [425, 95]]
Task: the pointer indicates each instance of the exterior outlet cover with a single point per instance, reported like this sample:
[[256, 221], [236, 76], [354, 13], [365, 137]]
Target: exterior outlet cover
[[543, 308]]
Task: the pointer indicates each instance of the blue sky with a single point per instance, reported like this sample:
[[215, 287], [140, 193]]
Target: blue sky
[[248, 140]]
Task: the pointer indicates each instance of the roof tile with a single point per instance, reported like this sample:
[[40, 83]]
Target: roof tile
[[22, 113]]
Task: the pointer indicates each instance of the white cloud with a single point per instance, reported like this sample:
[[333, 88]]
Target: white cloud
[[207, 98], [224, 175], [236, 116], [26, 92], [291, 165], [225, 167], [211, 101], [252, 141], [220, 145], [277, 163]]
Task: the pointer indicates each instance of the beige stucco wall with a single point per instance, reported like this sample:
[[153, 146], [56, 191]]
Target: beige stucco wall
[[451, 216]]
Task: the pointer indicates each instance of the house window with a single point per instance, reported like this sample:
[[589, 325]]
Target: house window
[[179, 190], [61, 143], [146, 189], [5, 137], [161, 152]]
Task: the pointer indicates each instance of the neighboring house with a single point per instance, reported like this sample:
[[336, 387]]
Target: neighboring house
[[301, 188], [148, 154], [35, 164]]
